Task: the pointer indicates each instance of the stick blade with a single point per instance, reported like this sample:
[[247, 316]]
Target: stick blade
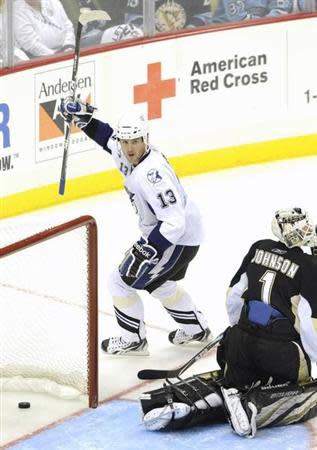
[[90, 15], [153, 374]]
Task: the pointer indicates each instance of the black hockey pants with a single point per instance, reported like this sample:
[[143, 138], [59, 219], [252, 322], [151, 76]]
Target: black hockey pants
[[246, 358]]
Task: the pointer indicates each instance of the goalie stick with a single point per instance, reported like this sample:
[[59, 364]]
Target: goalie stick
[[84, 18], [156, 374]]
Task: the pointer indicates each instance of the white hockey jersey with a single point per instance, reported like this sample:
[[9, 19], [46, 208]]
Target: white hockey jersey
[[158, 197]]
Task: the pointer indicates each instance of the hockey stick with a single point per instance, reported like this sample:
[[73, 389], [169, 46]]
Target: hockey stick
[[84, 18], [153, 374]]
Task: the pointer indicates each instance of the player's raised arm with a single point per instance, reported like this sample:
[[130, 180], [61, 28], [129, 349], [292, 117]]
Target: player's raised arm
[[81, 114]]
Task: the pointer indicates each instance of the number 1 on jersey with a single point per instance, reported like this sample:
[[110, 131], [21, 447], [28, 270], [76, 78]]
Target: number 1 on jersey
[[267, 281]]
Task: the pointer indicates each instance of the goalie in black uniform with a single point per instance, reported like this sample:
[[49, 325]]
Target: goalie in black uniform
[[265, 355]]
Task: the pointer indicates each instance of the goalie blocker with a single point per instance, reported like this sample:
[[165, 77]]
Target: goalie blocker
[[202, 399]]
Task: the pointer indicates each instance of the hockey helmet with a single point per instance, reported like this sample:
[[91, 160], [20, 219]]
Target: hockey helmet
[[293, 227], [132, 125]]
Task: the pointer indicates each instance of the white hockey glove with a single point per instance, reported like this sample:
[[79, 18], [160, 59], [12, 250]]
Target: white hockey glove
[[79, 112]]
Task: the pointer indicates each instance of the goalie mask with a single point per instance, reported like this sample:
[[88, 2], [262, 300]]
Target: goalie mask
[[293, 227], [132, 126]]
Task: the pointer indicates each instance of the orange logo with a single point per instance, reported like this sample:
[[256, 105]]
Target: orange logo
[[154, 91]]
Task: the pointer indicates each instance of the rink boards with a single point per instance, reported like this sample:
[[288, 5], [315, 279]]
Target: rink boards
[[213, 99]]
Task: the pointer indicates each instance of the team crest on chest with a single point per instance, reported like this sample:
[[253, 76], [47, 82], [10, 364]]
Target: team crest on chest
[[153, 176]]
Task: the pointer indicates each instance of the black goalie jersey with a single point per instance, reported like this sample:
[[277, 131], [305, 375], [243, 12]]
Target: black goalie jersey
[[285, 278]]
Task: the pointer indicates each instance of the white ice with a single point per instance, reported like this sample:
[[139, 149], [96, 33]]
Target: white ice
[[237, 207]]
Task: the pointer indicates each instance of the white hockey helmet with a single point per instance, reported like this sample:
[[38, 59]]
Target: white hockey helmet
[[293, 227], [132, 125]]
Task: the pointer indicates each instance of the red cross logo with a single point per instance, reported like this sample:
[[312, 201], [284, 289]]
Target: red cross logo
[[154, 91]]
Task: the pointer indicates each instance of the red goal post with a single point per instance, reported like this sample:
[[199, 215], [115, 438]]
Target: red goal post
[[49, 295]]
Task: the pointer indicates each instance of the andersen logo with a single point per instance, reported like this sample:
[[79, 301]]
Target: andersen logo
[[62, 88], [50, 87]]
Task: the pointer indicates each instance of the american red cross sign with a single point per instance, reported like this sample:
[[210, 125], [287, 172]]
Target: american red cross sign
[[154, 91]]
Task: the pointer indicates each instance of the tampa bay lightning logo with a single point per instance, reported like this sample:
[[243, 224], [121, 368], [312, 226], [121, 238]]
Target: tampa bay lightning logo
[[153, 176]]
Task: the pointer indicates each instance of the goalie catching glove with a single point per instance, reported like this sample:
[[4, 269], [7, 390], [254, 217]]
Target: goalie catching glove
[[76, 111], [139, 260]]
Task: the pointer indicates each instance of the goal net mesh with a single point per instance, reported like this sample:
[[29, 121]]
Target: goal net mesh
[[47, 302]]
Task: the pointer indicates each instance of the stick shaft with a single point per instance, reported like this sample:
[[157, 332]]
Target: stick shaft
[[62, 181], [153, 374], [84, 18]]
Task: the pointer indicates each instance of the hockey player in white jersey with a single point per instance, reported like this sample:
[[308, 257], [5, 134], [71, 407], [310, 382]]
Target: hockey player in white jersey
[[171, 229]]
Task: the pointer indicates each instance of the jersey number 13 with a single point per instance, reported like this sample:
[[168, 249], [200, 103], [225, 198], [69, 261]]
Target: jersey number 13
[[167, 198]]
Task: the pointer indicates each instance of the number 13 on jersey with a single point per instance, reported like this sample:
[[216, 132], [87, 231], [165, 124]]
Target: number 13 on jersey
[[167, 198]]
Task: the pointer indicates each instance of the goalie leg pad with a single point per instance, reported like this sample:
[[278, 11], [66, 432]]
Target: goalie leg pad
[[284, 404], [199, 393], [241, 414], [159, 418]]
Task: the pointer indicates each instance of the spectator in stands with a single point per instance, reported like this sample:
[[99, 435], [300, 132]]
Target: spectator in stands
[[304, 6], [1, 36], [18, 55], [121, 32], [171, 15], [42, 28], [117, 9], [236, 11]]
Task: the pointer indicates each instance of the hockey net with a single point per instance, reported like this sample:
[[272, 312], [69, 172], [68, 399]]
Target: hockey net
[[49, 310]]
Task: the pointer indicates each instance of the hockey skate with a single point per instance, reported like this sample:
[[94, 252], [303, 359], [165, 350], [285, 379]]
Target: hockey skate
[[179, 336], [241, 416], [118, 346], [159, 418]]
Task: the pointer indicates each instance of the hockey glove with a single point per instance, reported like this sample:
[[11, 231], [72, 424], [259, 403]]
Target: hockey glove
[[79, 112], [139, 259]]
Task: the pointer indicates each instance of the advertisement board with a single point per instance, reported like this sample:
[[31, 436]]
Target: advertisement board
[[213, 100]]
